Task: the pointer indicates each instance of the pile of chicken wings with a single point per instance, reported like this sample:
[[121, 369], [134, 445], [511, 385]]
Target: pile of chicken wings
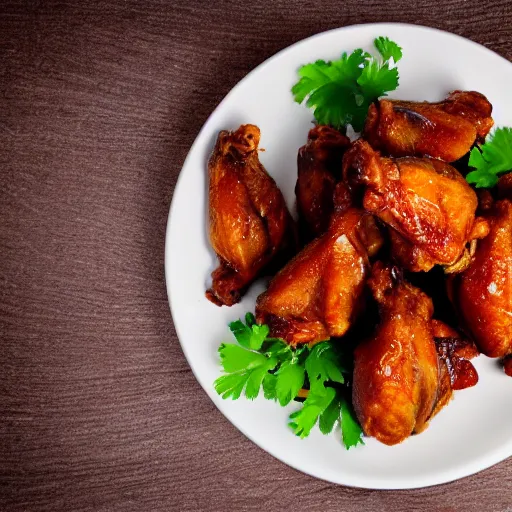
[[393, 248]]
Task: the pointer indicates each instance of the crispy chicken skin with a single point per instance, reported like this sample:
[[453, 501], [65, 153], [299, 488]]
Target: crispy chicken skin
[[483, 292], [396, 371], [318, 294], [319, 169], [250, 225], [428, 205], [444, 130]]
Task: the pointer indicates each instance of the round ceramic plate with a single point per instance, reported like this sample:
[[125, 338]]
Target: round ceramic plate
[[475, 430]]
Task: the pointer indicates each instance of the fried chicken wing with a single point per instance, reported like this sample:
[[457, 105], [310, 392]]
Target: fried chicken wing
[[428, 205], [444, 130], [250, 225], [396, 372], [319, 169], [319, 293], [483, 292]]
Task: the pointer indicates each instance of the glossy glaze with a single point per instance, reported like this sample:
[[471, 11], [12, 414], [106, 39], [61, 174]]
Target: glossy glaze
[[396, 371], [444, 130], [319, 169], [427, 203], [249, 223], [319, 293], [484, 291]]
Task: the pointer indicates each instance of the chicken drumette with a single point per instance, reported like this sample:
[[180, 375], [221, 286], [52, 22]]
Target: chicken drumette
[[319, 169], [396, 371], [250, 225], [319, 293], [406, 372], [444, 130], [428, 205], [483, 292]]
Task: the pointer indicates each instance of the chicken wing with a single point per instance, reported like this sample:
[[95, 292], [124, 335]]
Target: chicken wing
[[427, 203], [319, 169], [483, 292], [396, 371], [319, 293], [444, 130], [250, 225]]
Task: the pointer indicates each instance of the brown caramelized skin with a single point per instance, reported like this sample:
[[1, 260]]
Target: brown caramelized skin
[[444, 130], [396, 371], [319, 169], [249, 223], [455, 352], [319, 293], [428, 205], [483, 292]]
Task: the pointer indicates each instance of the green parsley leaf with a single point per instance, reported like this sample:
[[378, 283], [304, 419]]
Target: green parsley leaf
[[259, 362], [491, 159], [249, 336], [277, 348], [323, 364], [250, 320], [246, 369], [303, 420], [330, 416], [376, 80], [235, 358], [351, 431], [290, 378], [269, 386], [340, 92], [388, 49]]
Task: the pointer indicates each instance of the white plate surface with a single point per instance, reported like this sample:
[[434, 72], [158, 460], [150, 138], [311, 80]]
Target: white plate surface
[[475, 430]]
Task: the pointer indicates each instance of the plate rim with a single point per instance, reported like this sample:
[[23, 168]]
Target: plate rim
[[477, 465]]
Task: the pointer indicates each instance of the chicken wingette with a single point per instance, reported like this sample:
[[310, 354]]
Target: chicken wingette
[[444, 130], [428, 205], [250, 227], [319, 293]]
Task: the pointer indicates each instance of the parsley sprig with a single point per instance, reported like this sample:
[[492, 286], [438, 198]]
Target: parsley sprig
[[259, 362], [491, 159], [339, 92]]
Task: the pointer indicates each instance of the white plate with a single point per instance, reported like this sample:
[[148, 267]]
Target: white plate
[[475, 430]]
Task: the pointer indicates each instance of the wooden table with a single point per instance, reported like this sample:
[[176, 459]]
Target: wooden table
[[99, 105]]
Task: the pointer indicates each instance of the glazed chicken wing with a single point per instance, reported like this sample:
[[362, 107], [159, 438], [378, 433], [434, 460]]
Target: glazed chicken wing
[[444, 130], [318, 294], [319, 169], [250, 225], [396, 371], [428, 205], [483, 292]]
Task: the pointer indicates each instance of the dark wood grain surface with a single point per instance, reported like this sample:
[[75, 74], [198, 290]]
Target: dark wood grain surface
[[99, 104]]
